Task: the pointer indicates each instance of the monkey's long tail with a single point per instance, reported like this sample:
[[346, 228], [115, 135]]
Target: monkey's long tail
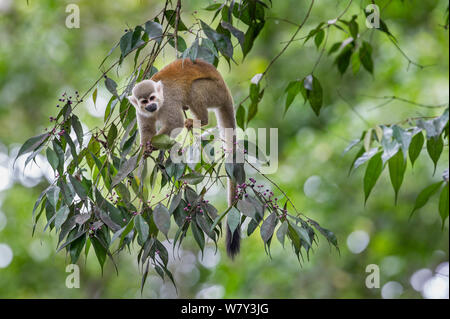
[[233, 240], [227, 125]]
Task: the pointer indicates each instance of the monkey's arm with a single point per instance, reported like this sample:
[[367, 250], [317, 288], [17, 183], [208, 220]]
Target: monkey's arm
[[147, 129], [171, 117]]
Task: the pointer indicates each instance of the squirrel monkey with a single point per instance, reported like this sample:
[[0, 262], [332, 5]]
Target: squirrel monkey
[[181, 85]]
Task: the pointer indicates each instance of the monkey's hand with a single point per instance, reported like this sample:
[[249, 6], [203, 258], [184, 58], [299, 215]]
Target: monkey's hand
[[148, 148], [189, 124]]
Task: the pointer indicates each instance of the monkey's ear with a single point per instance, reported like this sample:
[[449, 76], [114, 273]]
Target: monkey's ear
[[133, 100], [159, 87]]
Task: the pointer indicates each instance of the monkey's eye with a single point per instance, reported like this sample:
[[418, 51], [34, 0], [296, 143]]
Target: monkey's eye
[[144, 101], [152, 98]]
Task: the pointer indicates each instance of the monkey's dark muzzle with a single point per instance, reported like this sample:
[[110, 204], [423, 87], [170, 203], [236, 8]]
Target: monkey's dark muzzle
[[151, 108]]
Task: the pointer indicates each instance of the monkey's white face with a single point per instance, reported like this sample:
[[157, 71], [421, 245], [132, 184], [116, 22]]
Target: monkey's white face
[[147, 97]]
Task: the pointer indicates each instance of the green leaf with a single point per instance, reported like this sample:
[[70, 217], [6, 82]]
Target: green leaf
[[190, 195], [443, 204], [162, 141], [403, 137], [222, 42], [125, 170], [75, 248], [282, 231], [246, 207], [364, 157], [268, 227], [397, 169], [314, 32], [240, 117], [373, 172], [205, 224], [161, 217], [125, 43], [129, 143], [52, 158], [192, 52], [236, 172], [425, 195], [175, 203], [76, 124], [335, 47], [303, 234], [74, 235], [329, 235], [233, 219], [368, 139], [314, 93], [154, 30], [292, 90], [365, 56], [142, 229], [356, 63], [207, 51], [193, 178], [435, 146], [79, 188], [198, 235], [53, 195], [318, 39], [111, 85], [354, 28], [100, 251], [61, 216], [179, 214], [171, 18], [416, 147], [32, 144], [343, 60], [213, 7], [252, 110], [235, 32], [435, 126], [293, 235], [254, 92], [250, 36], [252, 227], [182, 46], [60, 152], [73, 149], [94, 96], [390, 145], [351, 145], [112, 134]]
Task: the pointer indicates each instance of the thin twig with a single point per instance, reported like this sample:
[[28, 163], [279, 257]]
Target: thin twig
[[393, 97], [353, 108], [292, 38], [300, 26], [177, 21], [322, 50]]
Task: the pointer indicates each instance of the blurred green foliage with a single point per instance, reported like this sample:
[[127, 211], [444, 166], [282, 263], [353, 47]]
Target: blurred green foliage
[[40, 59]]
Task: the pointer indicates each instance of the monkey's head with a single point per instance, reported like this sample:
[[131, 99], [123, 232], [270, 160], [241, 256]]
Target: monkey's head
[[147, 97]]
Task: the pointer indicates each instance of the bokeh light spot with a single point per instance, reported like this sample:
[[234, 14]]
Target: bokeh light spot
[[358, 241], [391, 290], [6, 255]]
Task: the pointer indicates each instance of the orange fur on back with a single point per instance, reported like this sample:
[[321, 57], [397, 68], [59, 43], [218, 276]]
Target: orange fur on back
[[183, 72]]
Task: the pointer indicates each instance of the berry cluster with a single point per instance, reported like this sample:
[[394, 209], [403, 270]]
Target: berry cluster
[[114, 198], [197, 209], [267, 195]]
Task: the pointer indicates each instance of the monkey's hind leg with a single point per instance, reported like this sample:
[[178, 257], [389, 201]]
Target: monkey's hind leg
[[201, 92]]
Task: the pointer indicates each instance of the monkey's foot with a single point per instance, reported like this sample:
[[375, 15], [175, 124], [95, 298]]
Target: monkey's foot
[[189, 124]]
